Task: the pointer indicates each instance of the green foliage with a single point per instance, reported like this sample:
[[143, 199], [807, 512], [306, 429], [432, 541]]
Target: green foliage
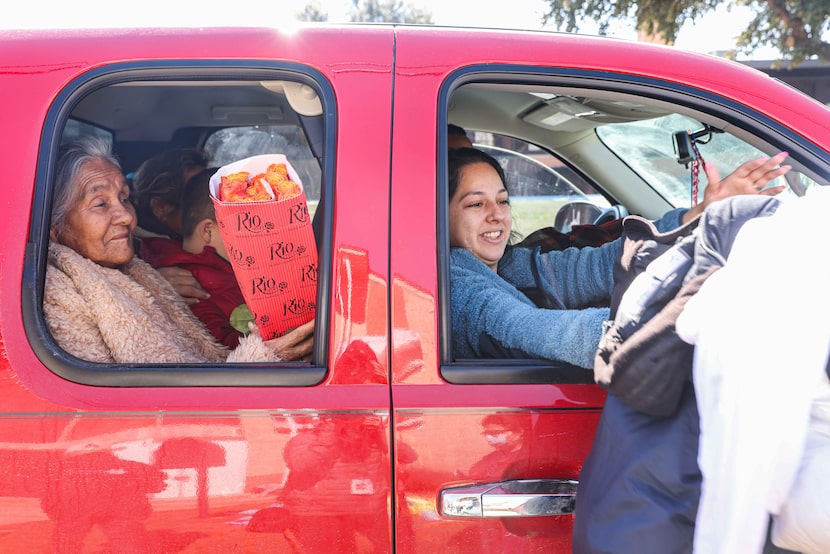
[[313, 12], [372, 11], [388, 11], [795, 27]]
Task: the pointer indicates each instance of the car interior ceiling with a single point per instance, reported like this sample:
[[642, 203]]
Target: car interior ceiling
[[174, 106], [169, 114]]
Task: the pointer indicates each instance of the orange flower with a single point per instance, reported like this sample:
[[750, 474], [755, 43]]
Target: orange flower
[[236, 187], [282, 185]]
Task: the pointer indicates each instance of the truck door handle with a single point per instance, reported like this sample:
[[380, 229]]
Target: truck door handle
[[514, 498]]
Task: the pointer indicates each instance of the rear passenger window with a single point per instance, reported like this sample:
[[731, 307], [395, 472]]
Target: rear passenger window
[[76, 129], [272, 122], [230, 144]]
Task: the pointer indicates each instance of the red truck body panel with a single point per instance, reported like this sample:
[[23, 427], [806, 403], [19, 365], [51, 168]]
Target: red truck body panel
[[355, 463]]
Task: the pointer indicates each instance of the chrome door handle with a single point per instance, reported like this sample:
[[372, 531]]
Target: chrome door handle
[[515, 498]]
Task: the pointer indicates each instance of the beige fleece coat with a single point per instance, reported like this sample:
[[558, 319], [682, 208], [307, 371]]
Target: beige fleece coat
[[129, 315]]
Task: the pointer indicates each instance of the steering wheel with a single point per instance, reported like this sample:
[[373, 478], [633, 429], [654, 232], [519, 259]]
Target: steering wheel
[[617, 211]]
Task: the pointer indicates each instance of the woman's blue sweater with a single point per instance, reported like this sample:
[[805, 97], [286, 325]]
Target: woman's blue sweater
[[492, 318]]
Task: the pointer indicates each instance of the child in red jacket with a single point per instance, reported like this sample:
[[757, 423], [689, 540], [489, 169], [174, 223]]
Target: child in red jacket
[[203, 253]]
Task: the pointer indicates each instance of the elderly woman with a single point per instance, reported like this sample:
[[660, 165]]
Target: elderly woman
[[491, 317], [103, 304]]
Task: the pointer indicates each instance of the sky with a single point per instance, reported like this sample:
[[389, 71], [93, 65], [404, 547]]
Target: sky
[[715, 32]]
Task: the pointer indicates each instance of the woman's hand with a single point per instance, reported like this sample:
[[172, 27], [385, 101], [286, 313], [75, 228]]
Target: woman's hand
[[749, 178], [185, 283], [295, 345]]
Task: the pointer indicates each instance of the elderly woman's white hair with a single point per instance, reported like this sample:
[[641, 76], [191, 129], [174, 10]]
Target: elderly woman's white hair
[[71, 159]]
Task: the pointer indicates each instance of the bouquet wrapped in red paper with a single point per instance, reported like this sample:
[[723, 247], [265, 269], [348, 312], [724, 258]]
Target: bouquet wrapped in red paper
[[265, 224]]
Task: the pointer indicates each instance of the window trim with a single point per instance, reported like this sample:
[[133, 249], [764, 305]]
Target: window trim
[[62, 364]]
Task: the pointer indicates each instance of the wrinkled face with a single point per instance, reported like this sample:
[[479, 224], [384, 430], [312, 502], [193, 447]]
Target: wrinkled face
[[480, 218], [100, 225]]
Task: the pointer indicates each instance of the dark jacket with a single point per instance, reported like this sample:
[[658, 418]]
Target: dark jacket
[[640, 485], [640, 358]]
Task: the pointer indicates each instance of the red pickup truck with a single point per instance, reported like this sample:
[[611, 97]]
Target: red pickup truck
[[383, 442]]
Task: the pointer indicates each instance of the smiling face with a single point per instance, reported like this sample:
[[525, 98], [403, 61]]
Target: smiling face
[[100, 224], [479, 211]]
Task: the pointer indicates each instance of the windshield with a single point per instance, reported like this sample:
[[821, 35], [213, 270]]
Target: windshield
[[647, 147]]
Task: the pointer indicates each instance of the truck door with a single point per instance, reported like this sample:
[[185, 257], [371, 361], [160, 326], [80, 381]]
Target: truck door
[[465, 430], [142, 457], [488, 449]]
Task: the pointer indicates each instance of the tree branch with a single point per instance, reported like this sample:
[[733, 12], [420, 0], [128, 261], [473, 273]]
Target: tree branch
[[798, 37]]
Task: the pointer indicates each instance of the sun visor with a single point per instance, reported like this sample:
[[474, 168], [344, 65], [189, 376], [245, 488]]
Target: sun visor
[[301, 97], [566, 113]]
